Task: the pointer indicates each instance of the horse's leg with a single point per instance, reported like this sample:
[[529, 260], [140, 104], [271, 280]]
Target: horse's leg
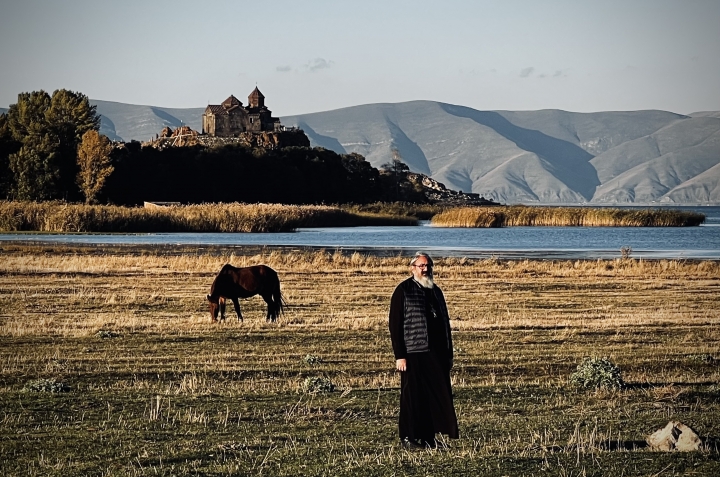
[[221, 303], [237, 308], [270, 316]]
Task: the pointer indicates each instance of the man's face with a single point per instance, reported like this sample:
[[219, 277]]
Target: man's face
[[421, 268]]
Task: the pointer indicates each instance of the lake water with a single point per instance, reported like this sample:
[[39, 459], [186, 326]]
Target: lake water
[[701, 242]]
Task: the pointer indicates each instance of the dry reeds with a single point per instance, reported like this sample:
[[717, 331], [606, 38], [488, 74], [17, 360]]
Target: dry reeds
[[519, 215], [68, 218], [397, 209]]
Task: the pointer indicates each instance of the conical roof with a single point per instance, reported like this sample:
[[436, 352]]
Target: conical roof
[[256, 94], [232, 101]]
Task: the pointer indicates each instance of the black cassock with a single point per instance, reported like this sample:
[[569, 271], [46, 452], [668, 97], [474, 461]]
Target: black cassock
[[426, 403]]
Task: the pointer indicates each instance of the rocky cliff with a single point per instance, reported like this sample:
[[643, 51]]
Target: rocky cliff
[[185, 136]]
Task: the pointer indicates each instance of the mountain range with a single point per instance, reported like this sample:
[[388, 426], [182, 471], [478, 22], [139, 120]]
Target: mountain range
[[530, 157]]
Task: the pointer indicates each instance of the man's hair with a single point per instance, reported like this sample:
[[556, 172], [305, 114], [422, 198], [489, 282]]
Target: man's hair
[[421, 254]]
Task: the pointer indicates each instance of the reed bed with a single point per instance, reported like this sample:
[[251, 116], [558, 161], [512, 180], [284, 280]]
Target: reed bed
[[397, 209], [518, 215], [63, 217]]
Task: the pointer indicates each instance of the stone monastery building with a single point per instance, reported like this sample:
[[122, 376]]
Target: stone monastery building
[[231, 118]]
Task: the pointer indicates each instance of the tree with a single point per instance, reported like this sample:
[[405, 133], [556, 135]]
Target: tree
[[93, 158], [27, 116], [7, 146], [34, 168], [398, 169], [69, 117], [49, 129]]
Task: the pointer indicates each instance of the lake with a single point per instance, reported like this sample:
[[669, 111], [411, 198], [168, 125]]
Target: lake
[[701, 242]]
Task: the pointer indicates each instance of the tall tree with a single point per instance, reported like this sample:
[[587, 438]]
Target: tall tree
[[49, 129], [27, 116], [7, 146], [93, 158], [69, 117], [398, 170], [34, 168]]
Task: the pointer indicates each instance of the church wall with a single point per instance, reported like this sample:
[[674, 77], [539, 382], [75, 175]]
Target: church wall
[[209, 124], [237, 122]]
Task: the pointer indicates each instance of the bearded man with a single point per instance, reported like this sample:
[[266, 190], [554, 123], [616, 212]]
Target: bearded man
[[422, 344]]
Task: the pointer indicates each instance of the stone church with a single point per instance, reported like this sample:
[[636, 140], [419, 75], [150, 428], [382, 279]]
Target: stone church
[[231, 118]]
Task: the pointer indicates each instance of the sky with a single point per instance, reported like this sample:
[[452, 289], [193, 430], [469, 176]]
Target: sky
[[311, 56]]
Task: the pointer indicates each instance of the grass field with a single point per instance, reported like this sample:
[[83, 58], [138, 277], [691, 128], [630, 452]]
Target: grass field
[[156, 389]]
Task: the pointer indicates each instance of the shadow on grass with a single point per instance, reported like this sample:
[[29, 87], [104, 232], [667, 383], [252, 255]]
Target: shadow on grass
[[631, 386], [623, 445], [710, 444]]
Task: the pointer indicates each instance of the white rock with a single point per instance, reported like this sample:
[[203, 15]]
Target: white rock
[[676, 436]]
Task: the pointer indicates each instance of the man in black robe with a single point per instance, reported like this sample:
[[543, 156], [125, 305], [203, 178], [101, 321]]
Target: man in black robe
[[422, 344]]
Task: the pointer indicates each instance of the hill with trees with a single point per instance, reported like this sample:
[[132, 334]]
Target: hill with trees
[[50, 149], [547, 156]]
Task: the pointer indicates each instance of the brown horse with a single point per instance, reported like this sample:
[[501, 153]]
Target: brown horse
[[234, 283]]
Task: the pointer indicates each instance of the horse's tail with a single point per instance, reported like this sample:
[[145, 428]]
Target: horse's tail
[[279, 303]]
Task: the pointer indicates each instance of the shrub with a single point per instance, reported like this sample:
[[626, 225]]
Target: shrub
[[45, 386], [625, 252], [105, 334], [312, 359], [316, 384], [706, 358], [595, 373]]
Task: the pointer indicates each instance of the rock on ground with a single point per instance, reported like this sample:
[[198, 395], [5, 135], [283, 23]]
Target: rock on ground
[[676, 436]]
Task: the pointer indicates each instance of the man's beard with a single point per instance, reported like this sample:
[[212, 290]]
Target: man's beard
[[425, 281]]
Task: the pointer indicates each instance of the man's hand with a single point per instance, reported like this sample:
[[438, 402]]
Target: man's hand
[[401, 364]]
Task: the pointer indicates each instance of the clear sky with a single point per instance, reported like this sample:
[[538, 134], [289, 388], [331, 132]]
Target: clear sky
[[308, 56]]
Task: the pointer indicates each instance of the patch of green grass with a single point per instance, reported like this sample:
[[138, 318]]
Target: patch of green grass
[[45, 385]]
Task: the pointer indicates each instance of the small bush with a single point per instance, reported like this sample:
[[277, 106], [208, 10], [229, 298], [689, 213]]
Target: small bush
[[45, 386], [312, 359], [595, 373], [315, 384], [705, 358], [105, 334]]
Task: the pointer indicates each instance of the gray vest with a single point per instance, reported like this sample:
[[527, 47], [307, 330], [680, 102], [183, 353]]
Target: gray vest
[[415, 324]]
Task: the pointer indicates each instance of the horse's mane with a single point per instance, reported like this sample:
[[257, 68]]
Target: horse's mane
[[226, 268]]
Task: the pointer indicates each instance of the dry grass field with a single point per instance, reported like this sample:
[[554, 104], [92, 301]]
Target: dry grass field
[[156, 389]]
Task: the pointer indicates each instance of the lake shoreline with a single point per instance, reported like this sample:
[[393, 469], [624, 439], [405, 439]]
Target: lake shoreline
[[379, 252]]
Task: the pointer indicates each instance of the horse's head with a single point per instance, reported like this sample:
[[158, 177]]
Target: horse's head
[[214, 307]]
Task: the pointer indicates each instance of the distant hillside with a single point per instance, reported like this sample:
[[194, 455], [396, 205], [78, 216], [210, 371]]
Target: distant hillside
[[705, 114], [125, 122], [547, 156]]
